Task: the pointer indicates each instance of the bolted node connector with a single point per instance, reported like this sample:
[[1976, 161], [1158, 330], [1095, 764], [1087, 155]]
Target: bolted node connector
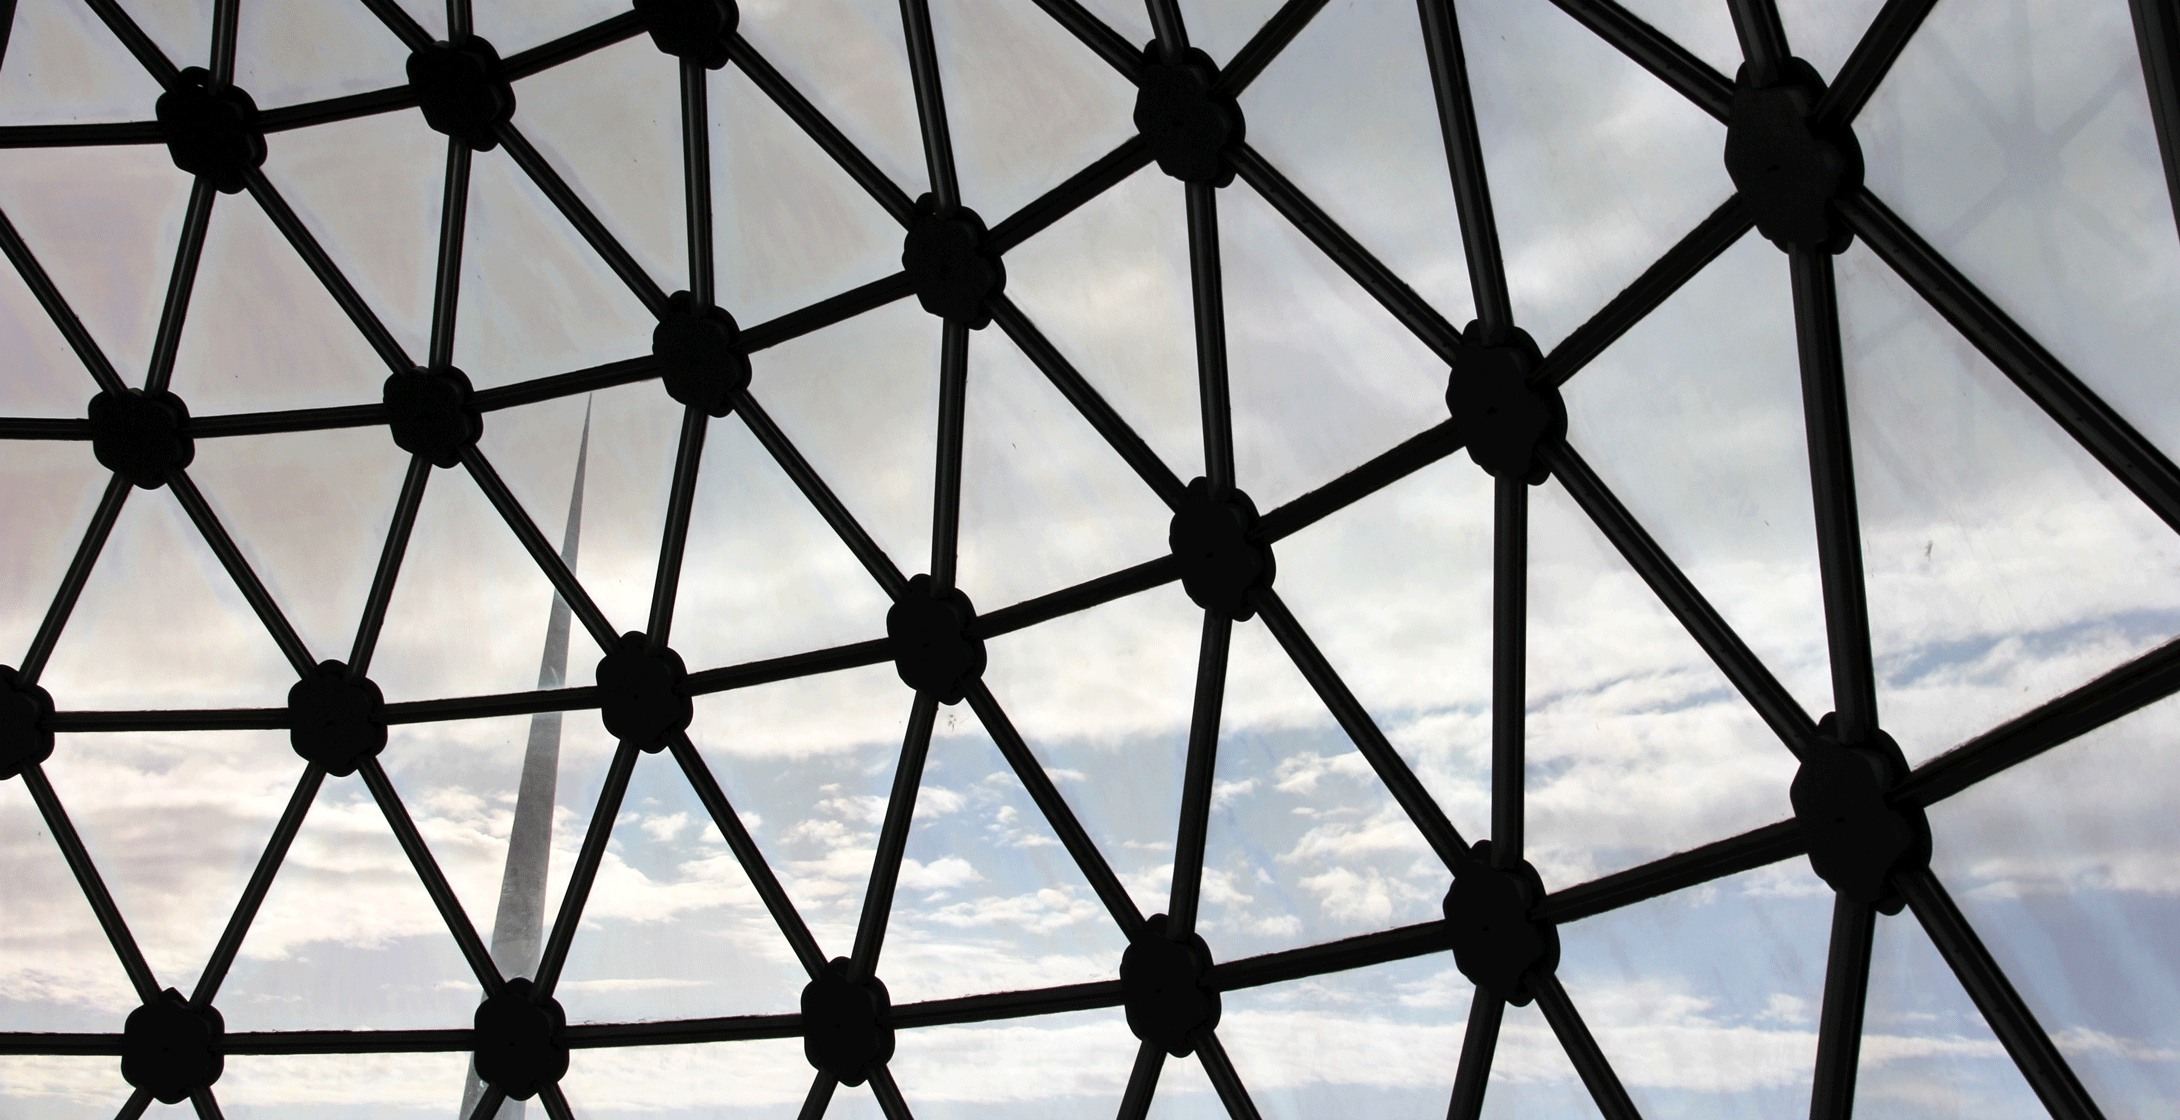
[[1220, 564], [462, 90], [141, 436], [1495, 943], [1188, 128], [1162, 985], [213, 135], [641, 695], [1789, 168], [521, 1043], [1857, 838], [336, 720], [845, 1027], [429, 413], [946, 261], [25, 740], [933, 650], [1499, 415], [692, 30], [699, 359], [170, 1049]]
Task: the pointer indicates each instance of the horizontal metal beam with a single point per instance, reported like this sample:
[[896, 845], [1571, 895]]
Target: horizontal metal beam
[[746, 675], [89, 134], [44, 427], [1405, 458], [825, 312], [201, 719], [1702, 245], [1081, 597], [1750, 850], [1347, 953], [1107, 170], [1872, 59], [571, 46], [627, 371]]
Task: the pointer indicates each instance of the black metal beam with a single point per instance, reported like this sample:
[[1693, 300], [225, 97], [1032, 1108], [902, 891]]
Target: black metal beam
[[138, 1101], [885, 872], [586, 223], [1873, 56], [389, 565], [1266, 45], [148, 55], [1509, 667], [746, 852], [1748, 851], [1479, 1045], [201, 719], [1702, 245], [820, 495], [322, 266], [585, 872], [253, 894], [1094, 408], [1107, 170], [1465, 160], [946, 483], [820, 1096], [1008, 1005], [1197, 775], [680, 506], [94, 888], [889, 1096], [238, 569], [826, 312], [1208, 288], [1135, 1100], [2009, 1015], [286, 420], [435, 882], [460, 20], [44, 427], [1082, 596], [1670, 62], [1405, 458], [488, 1104], [683, 1032], [1117, 52], [1846, 992], [2138, 464], [1763, 37], [541, 550], [79, 571], [81, 135], [206, 1105], [844, 152], [483, 707], [57, 309], [392, 99], [573, 45], [1220, 1068], [2157, 39], [1582, 1049], [431, 1041], [696, 178], [447, 278], [791, 667], [1347, 953], [923, 70], [398, 21], [1168, 26], [226, 24], [179, 285], [627, 371], [555, 1102]]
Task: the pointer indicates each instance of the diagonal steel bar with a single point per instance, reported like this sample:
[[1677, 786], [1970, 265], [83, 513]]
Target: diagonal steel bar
[[923, 69], [488, 1105], [1403, 459], [392, 99], [1266, 45], [1771, 700], [44, 427], [1057, 814], [1465, 160], [83, 135], [398, 21], [1332, 956], [322, 266], [261, 880], [1479, 1044], [680, 504], [435, 882], [844, 152], [1755, 848], [826, 312], [184, 279], [541, 550], [1196, 779], [147, 53], [1994, 995], [889, 1096], [2157, 39], [498, 704], [447, 281], [1405, 787], [1118, 53], [885, 872], [1702, 245], [1873, 56], [855, 655], [79, 571], [585, 872], [1135, 1101], [1419, 317], [1232, 1093], [1509, 667], [138, 1101], [627, 371], [226, 23], [1669, 61], [213, 719], [206, 1105], [946, 486], [747, 854], [389, 566], [1039, 213], [580, 216], [1092, 996], [238, 569], [1167, 25], [820, 495], [460, 20], [1574, 1037], [56, 308], [1763, 37], [2137, 462], [1846, 991], [1094, 408], [820, 1096], [1082, 596], [87, 878], [696, 178], [555, 1102], [573, 45], [1208, 289]]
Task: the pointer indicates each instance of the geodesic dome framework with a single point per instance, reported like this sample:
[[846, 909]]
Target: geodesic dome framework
[[1855, 807]]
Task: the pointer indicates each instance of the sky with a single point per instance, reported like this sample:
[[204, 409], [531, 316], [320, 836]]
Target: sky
[[2005, 566]]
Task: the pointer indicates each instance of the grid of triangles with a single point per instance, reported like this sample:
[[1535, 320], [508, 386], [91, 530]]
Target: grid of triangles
[[1231, 533]]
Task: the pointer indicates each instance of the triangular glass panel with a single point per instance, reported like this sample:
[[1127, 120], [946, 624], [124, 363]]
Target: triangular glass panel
[[1716, 467], [262, 332], [1706, 29], [2051, 573], [60, 973], [139, 200], [1824, 32], [316, 49], [763, 575], [1104, 698], [369, 189], [1220, 28], [160, 624], [330, 1086], [1129, 332], [1069, 1066], [610, 123], [536, 300], [742, 1079], [1381, 174], [1638, 746], [1323, 378], [860, 402], [1378, 1041], [850, 60], [1926, 1050], [309, 512], [1530, 1072], [2018, 142], [2059, 865], [47, 511], [1026, 105], [63, 65], [1597, 168], [517, 25]]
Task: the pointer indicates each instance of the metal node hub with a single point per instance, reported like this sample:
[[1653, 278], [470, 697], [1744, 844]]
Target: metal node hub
[[1499, 415], [141, 436], [462, 90], [170, 1049], [336, 720], [1789, 166], [933, 650], [429, 413], [1163, 986], [698, 357], [212, 134], [642, 695], [521, 1046], [1220, 563], [947, 262], [692, 30], [845, 1033], [25, 741], [1188, 126], [1495, 942], [1857, 838]]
